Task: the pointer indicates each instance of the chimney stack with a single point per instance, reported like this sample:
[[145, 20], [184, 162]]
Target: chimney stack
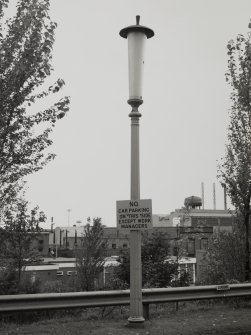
[[225, 196], [202, 194], [214, 196]]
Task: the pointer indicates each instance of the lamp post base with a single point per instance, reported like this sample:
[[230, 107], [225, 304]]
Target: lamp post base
[[136, 322]]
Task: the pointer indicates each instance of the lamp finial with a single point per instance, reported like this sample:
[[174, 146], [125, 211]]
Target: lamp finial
[[137, 19]]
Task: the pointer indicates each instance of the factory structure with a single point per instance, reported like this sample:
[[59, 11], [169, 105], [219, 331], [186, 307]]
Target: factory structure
[[188, 231]]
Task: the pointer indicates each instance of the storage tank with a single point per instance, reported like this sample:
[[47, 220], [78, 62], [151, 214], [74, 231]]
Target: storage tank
[[193, 202]]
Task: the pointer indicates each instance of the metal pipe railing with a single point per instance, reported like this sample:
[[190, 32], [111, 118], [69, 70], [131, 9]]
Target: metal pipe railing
[[49, 301]]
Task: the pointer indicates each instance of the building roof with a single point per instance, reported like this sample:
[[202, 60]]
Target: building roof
[[58, 260], [184, 260], [42, 267], [205, 212], [71, 263]]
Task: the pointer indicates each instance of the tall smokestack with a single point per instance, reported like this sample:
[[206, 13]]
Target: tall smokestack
[[202, 194], [225, 196], [52, 224], [214, 196]]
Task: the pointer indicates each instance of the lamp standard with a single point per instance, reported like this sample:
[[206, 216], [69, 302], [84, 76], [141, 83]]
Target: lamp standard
[[60, 237], [136, 36], [66, 239], [69, 211]]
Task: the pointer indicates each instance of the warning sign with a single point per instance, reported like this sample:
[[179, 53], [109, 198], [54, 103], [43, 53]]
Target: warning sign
[[134, 214]]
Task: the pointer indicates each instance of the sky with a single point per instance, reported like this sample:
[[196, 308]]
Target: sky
[[184, 115]]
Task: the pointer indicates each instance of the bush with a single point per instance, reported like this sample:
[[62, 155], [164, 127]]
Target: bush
[[8, 282], [156, 270], [225, 259], [116, 283], [58, 286], [55, 286], [28, 286], [183, 280]]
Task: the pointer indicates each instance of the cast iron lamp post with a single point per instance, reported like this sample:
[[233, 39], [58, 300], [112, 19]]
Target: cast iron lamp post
[[136, 36]]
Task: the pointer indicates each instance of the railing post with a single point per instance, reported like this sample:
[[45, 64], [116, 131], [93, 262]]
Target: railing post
[[146, 311]]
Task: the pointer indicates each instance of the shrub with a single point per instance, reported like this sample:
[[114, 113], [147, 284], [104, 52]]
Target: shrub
[[55, 286], [225, 259], [28, 286], [183, 280], [8, 281]]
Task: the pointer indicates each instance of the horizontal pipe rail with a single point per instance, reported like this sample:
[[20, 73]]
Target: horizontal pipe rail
[[159, 295], [48, 301]]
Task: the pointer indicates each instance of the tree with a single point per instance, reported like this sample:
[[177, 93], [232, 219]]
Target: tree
[[157, 271], [26, 42], [17, 246], [235, 168], [224, 259], [90, 258]]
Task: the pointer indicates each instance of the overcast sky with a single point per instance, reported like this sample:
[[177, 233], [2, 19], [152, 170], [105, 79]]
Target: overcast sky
[[184, 116]]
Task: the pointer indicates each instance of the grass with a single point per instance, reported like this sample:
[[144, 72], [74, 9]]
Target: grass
[[200, 317]]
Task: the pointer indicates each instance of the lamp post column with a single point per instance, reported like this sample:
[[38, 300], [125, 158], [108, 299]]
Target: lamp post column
[[136, 309], [136, 36]]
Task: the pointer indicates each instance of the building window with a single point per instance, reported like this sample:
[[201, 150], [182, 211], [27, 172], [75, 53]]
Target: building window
[[125, 245], [114, 246], [191, 247], [175, 251], [204, 243], [40, 245]]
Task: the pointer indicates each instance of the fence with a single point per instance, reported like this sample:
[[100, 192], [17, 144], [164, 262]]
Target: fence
[[49, 301]]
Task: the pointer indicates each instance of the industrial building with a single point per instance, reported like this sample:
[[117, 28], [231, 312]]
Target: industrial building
[[187, 231]]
